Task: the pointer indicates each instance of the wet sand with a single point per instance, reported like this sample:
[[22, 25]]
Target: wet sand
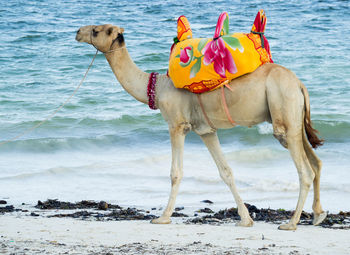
[[30, 230]]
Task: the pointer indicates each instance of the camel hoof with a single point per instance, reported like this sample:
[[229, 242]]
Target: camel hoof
[[245, 223], [161, 220], [319, 218], [288, 226]]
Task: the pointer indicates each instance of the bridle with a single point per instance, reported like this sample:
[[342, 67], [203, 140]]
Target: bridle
[[110, 48]]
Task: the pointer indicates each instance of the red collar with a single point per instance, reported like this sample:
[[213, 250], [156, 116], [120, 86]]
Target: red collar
[[151, 90]]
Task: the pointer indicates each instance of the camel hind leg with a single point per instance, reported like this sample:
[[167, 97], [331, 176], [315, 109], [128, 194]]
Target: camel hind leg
[[286, 105], [316, 164], [306, 176]]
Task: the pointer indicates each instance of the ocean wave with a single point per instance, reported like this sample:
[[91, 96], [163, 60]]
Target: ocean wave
[[330, 130], [113, 119], [333, 131], [259, 154], [154, 57], [70, 133], [92, 140], [265, 128], [39, 174], [272, 185], [95, 121], [29, 38]]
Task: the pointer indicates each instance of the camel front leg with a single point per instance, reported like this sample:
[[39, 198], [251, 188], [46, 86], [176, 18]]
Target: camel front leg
[[213, 145], [177, 137]]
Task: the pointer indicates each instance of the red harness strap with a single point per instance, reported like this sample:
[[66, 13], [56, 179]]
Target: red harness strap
[[204, 113], [225, 105]]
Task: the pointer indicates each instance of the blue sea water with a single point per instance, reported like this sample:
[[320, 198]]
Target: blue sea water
[[105, 145]]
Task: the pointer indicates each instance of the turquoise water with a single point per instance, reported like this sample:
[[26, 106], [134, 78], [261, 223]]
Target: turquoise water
[[106, 145]]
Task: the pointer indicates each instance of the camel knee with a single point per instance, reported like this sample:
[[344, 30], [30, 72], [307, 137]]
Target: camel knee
[[281, 137], [306, 182], [307, 178], [176, 178], [226, 175], [182, 128], [279, 132]]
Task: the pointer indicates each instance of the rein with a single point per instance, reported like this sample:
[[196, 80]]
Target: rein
[[29, 130]]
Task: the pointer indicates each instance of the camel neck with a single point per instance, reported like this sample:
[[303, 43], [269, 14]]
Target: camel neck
[[133, 80]]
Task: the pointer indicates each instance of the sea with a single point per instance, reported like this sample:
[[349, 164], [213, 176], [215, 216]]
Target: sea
[[105, 145]]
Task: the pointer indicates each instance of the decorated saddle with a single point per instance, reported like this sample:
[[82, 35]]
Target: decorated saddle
[[204, 64]]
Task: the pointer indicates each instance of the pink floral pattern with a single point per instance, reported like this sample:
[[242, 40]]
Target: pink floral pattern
[[217, 53], [186, 55]]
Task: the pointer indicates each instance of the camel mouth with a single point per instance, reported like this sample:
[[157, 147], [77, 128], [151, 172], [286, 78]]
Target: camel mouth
[[83, 34], [78, 37]]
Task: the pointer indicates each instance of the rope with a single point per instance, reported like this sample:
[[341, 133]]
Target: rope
[[261, 37], [29, 130], [228, 115], [204, 112]]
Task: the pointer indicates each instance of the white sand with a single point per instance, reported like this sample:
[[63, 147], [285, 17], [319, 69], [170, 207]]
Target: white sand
[[28, 235]]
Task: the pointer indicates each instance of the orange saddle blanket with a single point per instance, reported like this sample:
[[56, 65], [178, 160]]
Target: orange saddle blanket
[[204, 64]]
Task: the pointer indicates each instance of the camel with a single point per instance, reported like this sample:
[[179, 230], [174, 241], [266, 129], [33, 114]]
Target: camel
[[271, 93]]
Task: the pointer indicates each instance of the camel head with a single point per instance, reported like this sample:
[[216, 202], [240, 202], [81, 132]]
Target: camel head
[[103, 37]]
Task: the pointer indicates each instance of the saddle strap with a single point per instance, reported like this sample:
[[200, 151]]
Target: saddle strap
[[224, 104], [204, 113], [262, 39], [228, 115]]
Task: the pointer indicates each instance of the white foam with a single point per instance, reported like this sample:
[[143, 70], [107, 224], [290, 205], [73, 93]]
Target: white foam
[[130, 176], [265, 128]]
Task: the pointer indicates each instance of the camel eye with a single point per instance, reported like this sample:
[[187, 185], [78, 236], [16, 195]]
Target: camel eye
[[94, 32]]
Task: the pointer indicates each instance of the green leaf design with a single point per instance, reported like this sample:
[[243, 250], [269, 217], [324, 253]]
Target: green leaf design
[[225, 27], [233, 42], [202, 44], [185, 64], [177, 56], [195, 68]]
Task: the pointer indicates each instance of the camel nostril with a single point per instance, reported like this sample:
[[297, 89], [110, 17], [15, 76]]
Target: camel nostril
[[78, 31]]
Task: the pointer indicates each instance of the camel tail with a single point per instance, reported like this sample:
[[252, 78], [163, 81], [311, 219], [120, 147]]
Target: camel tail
[[310, 131]]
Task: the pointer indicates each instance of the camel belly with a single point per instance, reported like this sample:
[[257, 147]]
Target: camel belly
[[243, 114], [246, 101]]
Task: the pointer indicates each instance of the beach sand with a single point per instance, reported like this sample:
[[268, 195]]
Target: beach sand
[[41, 235]]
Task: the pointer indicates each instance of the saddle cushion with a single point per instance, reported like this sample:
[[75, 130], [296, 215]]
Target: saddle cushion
[[204, 64]]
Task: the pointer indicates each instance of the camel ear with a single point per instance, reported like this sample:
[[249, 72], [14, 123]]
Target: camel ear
[[120, 38], [121, 30], [109, 31]]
